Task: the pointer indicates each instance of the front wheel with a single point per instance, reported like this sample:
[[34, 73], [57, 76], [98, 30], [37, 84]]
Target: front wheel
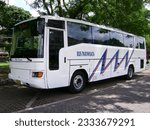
[[130, 73], [78, 82]]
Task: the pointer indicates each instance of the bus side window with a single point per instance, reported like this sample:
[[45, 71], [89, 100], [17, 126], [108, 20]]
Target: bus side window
[[79, 33], [56, 24], [128, 41], [100, 36], [136, 44], [139, 43], [142, 46], [116, 39]]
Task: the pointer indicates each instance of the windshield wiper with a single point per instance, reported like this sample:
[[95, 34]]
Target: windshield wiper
[[28, 59]]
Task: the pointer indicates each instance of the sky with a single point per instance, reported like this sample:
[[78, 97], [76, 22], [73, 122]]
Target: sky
[[148, 7], [24, 5]]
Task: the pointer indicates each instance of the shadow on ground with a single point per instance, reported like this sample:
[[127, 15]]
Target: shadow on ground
[[122, 96], [113, 95]]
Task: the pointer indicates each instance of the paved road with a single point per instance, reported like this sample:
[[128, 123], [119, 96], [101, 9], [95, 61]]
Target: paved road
[[113, 95]]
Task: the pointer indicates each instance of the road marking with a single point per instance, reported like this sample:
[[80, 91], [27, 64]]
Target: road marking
[[28, 105], [45, 105], [56, 102]]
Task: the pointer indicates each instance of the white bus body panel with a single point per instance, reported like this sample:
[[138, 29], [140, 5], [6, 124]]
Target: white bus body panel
[[22, 71], [60, 78], [89, 63]]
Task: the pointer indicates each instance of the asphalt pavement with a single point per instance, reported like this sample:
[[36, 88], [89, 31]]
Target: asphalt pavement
[[115, 95]]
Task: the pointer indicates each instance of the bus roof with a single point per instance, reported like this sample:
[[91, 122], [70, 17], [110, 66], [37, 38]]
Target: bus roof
[[26, 21], [88, 23], [80, 21]]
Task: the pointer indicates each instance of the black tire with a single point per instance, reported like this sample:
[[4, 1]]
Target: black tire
[[78, 82], [130, 73]]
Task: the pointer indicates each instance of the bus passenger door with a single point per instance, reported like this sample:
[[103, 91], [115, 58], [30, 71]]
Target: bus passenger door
[[55, 68]]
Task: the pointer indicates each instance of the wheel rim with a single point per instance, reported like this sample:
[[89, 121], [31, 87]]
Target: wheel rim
[[78, 82], [130, 72]]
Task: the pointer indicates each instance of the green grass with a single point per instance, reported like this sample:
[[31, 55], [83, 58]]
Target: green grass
[[4, 65], [148, 62], [4, 70]]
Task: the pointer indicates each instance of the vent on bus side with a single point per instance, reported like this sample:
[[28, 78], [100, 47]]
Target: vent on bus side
[[142, 63]]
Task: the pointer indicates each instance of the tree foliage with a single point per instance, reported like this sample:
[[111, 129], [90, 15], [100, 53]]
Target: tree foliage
[[10, 15], [127, 15]]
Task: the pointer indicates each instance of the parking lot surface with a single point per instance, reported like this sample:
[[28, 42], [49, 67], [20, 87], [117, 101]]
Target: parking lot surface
[[115, 95]]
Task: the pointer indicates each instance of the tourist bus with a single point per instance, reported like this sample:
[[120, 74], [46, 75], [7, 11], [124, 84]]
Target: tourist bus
[[51, 52]]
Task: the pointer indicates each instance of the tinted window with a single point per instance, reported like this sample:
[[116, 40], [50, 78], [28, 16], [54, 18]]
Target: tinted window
[[79, 33], [56, 24], [128, 41], [136, 44], [100, 36], [56, 42], [116, 39], [139, 43]]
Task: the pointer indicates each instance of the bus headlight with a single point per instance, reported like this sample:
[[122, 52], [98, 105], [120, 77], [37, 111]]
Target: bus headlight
[[37, 74]]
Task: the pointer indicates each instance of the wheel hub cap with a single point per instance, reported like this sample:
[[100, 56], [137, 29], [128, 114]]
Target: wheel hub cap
[[78, 82]]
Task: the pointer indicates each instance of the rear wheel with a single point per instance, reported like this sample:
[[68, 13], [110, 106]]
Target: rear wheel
[[78, 82], [130, 72]]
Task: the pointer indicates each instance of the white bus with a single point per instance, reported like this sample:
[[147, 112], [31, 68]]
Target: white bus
[[52, 52]]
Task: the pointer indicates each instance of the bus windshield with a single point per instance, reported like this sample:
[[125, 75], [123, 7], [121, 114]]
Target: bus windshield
[[28, 39]]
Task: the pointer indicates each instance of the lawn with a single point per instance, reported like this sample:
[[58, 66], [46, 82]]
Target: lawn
[[4, 70], [4, 65]]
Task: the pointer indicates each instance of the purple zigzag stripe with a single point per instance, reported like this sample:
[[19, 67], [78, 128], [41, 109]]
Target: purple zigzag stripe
[[103, 59]]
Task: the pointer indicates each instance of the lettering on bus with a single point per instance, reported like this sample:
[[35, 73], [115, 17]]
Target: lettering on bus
[[85, 53]]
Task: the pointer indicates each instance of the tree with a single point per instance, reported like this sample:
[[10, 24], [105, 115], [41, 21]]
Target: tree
[[71, 8], [125, 15], [9, 16]]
